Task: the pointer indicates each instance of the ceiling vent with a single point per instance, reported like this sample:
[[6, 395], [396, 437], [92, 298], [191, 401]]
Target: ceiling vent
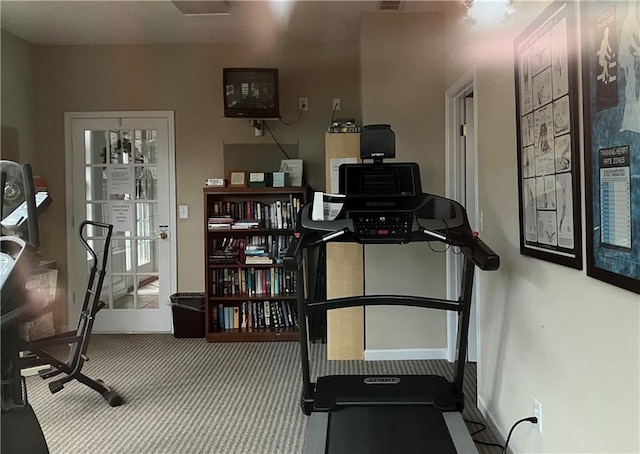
[[390, 6], [203, 8]]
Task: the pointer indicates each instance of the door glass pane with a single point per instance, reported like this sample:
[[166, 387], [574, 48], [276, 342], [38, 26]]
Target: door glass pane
[[95, 146], [121, 256], [106, 293], [96, 183], [119, 147], [146, 218], [145, 146], [123, 291], [96, 212], [146, 182], [97, 245], [148, 291], [147, 256]]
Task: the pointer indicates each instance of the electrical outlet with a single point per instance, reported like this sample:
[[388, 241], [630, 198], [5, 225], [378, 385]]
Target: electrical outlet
[[336, 104], [304, 103], [537, 412]]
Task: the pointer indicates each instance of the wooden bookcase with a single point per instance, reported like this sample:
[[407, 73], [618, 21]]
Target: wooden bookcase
[[259, 297]]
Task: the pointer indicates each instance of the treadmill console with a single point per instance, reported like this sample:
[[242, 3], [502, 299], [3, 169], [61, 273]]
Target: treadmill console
[[393, 227], [384, 187]]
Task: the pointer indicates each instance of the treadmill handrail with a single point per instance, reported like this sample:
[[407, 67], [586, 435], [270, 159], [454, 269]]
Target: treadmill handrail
[[312, 233], [384, 300]]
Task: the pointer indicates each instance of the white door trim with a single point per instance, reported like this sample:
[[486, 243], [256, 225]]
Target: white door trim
[[71, 222], [459, 90]]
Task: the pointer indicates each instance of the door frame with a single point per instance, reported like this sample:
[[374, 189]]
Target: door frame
[[453, 97], [74, 301]]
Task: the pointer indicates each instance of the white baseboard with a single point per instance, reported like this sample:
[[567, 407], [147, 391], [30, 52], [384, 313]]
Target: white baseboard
[[404, 354], [492, 424]]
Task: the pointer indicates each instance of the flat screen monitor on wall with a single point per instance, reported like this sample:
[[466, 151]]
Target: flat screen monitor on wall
[[251, 92]]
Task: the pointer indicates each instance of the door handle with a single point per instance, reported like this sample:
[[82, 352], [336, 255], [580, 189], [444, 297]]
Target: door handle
[[164, 232]]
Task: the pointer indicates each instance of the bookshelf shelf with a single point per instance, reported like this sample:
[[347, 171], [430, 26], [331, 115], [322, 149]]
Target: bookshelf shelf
[[261, 297], [242, 232], [244, 265], [286, 296]]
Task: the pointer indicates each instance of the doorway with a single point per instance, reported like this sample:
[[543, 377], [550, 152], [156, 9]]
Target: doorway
[[462, 186], [120, 169]]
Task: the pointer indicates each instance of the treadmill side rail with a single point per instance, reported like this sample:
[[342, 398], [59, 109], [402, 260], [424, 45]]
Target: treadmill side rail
[[317, 433], [459, 433]]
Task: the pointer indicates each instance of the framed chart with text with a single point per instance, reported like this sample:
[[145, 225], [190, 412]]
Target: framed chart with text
[[546, 77], [611, 72]]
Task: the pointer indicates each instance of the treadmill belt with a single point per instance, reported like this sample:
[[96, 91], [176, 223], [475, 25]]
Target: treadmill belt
[[385, 429]]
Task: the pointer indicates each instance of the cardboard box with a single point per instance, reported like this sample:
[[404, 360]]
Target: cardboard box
[[260, 179], [279, 179], [41, 289], [36, 329]]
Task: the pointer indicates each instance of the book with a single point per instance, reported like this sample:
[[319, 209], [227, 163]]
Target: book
[[243, 315], [221, 323], [218, 226], [258, 260], [285, 314], [267, 314], [228, 317], [236, 317]]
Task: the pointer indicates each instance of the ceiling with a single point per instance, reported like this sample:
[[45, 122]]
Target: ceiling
[[160, 21]]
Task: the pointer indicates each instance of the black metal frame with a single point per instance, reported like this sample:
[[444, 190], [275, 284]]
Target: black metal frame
[[78, 339], [597, 135], [559, 10]]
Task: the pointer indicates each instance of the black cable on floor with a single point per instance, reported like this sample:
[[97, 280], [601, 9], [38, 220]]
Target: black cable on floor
[[482, 429], [531, 419], [487, 443]]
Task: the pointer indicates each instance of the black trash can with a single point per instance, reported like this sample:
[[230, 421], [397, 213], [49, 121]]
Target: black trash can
[[188, 314]]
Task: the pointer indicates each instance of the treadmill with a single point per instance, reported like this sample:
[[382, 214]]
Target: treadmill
[[383, 203], [19, 206]]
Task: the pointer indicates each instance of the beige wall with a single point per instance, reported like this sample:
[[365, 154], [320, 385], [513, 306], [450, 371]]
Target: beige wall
[[18, 112], [188, 80], [546, 332], [402, 65]]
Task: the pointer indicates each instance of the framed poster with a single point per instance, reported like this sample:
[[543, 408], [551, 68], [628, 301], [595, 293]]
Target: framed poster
[[611, 71], [546, 76]]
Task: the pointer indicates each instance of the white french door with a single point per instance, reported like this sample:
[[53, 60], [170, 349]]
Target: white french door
[[120, 171]]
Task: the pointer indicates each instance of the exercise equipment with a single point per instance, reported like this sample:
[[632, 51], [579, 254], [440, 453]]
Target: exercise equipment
[[383, 204], [78, 339], [21, 431], [20, 206]]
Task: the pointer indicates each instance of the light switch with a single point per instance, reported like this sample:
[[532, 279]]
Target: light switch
[[184, 211]]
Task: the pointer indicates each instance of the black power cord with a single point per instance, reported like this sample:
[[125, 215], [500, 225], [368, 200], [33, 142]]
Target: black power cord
[[296, 120], [531, 419], [482, 428], [276, 140]]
